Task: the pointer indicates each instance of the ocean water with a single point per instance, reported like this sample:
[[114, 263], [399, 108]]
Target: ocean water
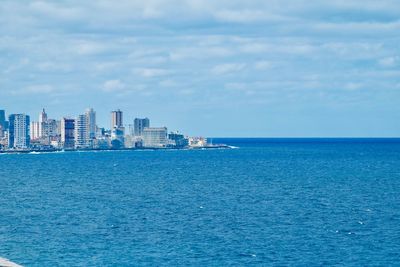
[[271, 202]]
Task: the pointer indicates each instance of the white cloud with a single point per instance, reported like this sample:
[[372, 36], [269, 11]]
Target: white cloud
[[88, 48], [150, 72], [113, 86], [227, 68], [34, 89], [389, 61], [247, 16], [352, 86], [262, 65]]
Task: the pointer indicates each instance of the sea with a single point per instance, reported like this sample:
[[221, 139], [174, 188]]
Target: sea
[[265, 202]]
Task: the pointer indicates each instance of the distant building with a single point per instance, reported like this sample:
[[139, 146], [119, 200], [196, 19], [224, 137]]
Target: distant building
[[155, 137], [91, 123], [18, 136], [34, 130], [139, 125], [68, 133], [116, 119], [178, 139], [117, 138], [3, 120], [42, 123], [49, 128], [81, 132], [197, 141]]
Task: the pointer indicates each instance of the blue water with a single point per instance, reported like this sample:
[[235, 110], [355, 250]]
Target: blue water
[[272, 202]]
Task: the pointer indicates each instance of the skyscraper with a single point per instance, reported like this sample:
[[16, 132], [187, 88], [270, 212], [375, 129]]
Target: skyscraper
[[91, 123], [42, 123], [81, 132], [18, 136], [139, 125], [3, 119], [116, 119], [34, 130], [2, 122], [68, 133]]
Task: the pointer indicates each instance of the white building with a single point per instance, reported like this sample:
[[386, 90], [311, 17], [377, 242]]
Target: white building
[[155, 136], [198, 141], [91, 121], [19, 131], [81, 132], [34, 130], [42, 123]]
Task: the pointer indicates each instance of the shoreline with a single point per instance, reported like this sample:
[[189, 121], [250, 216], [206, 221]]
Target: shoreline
[[28, 151]]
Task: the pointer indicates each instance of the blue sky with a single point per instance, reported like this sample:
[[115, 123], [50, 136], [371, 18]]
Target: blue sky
[[274, 68]]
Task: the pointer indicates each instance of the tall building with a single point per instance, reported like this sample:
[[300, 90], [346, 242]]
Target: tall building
[[18, 136], [155, 137], [34, 130], [42, 123], [68, 133], [2, 123], [116, 119], [91, 122], [50, 128], [139, 125], [3, 120], [81, 132]]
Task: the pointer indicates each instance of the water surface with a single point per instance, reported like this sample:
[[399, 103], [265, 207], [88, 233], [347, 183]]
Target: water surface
[[301, 202]]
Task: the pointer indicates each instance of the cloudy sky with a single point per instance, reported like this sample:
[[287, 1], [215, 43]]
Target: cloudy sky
[[216, 68]]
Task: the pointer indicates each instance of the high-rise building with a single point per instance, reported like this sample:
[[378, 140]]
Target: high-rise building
[[18, 136], [68, 133], [116, 119], [3, 120], [50, 128], [81, 132], [139, 125], [155, 137], [34, 130], [2, 123], [91, 122], [42, 123]]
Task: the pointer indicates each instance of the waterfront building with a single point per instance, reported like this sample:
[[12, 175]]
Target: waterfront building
[[68, 133], [4, 140], [91, 123], [178, 139], [81, 132], [155, 137], [34, 130], [116, 119], [18, 133], [139, 125], [42, 123], [3, 120], [198, 141], [117, 137], [58, 122]]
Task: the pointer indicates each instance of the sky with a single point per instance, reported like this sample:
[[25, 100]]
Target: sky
[[220, 68]]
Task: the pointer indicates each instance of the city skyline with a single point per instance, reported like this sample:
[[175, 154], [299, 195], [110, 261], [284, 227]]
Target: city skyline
[[20, 133], [221, 68]]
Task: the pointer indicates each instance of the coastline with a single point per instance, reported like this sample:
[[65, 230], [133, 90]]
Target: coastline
[[28, 151]]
